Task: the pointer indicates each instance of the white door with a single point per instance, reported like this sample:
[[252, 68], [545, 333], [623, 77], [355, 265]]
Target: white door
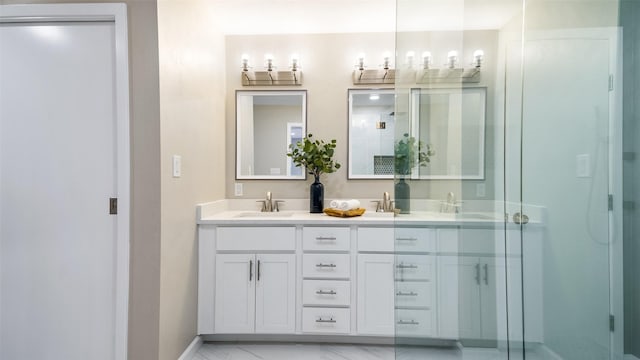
[[375, 294], [276, 293], [235, 293], [59, 253]]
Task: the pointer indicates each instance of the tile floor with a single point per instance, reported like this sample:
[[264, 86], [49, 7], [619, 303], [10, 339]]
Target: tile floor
[[285, 351]]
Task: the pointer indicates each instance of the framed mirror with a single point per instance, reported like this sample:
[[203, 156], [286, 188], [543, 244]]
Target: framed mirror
[[371, 133], [452, 121], [267, 122]]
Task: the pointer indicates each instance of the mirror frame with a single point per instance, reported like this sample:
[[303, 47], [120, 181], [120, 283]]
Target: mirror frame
[[239, 93], [350, 93], [415, 129]]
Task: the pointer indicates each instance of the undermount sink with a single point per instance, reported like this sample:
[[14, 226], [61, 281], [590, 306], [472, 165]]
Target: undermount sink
[[378, 214], [473, 216], [260, 214]]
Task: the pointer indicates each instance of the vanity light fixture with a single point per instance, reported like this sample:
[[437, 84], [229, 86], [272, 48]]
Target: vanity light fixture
[[270, 75], [452, 59], [409, 58], [426, 60], [383, 75], [478, 55]]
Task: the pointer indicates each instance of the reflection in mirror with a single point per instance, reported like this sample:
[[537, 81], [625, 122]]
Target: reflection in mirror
[[371, 133], [267, 122], [452, 121]]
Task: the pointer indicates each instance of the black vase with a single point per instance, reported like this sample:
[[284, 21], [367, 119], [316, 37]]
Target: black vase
[[316, 196], [403, 196]]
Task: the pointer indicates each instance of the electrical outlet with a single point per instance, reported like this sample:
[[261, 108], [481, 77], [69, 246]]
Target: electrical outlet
[[238, 190]]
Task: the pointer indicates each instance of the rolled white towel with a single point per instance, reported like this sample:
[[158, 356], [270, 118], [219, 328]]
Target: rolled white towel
[[335, 203], [348, 204]]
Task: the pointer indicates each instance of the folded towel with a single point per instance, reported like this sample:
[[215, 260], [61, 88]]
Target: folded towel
[[334, 203], [348, 204]]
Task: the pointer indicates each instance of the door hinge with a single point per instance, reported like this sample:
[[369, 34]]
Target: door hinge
[[610, 202], [610, 82], [113, 206], [612, 323]]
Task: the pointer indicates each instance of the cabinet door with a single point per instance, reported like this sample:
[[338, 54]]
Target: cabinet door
[[275, 293], [448, 288], [375, 294], [490, 292], [470, 278], [235, 293]]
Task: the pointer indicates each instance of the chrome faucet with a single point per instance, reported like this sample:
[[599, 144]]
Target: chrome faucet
[[450, 205], [269, 205], [386, 205]]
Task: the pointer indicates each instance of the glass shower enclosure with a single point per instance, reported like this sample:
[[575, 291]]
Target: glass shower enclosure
[[517, 106]]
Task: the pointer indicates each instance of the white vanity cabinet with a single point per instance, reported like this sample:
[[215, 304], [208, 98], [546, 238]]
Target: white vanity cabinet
[[396, 275], [326, 288], [247, 280]]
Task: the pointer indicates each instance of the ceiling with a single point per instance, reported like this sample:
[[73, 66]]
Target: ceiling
[[349, 16]]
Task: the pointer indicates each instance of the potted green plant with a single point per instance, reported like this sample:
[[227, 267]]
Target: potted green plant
[[316, 156], [409, 153]]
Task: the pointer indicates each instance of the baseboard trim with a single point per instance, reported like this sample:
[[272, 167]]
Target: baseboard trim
[[191, 350], [339, 339], [630, 357]]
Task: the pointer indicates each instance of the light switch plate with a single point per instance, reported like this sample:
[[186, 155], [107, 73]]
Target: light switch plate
[[583, 166], [238, 189], [177, 166]]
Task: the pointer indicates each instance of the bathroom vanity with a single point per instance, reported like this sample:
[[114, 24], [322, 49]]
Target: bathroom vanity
[[423, 275]]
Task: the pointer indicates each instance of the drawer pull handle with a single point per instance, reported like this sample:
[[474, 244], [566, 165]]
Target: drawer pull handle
[[323, 292], [327, 238], [321, 265], [407, 239], [321, 320], [410, 322], [400, 293], [403, 266]]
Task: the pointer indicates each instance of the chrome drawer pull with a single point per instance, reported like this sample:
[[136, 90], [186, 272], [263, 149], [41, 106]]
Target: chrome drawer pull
[[400, 293], [403, 266], [407, 239], [321, 320], [328, 238], [322, 292], [410, 322], [321, 265]]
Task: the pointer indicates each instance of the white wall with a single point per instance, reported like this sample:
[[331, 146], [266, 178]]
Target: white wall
[[328, 62], [192, 92]]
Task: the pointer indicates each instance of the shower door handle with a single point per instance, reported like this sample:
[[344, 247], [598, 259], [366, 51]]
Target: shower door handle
[[520, 219]]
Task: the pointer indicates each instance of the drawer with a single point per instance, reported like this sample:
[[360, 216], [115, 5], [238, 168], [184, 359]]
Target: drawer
[[415, 267], [327, 266], [326, 292], [326, 239], [415, 294], [414, 323], [256, 238], [415, 240], [375, 239], [326, 320]]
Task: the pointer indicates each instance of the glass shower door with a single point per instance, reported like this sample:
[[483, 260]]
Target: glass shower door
[[561, 170]]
